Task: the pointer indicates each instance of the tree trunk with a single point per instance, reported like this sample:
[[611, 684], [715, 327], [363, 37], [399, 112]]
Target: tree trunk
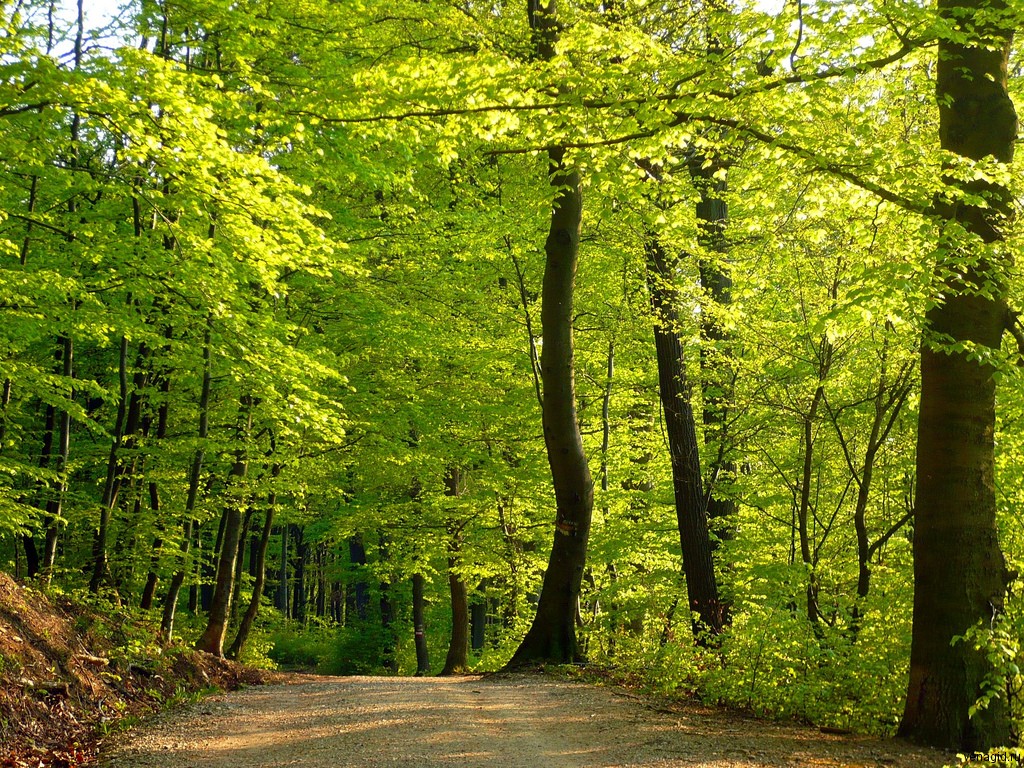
[[717, 369], [419, 625], [299, 580], [194, 477], [252, 611], [54, 505], [960, 577], [281, 596], [212, 639], [457, 660], [684, 450], [236, 588], [358, 595], [552, 636], [101, 565], [478, 624]]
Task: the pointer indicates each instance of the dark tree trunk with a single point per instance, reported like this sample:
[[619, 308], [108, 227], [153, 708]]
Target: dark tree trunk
[[252, 611], [299, 581], [358, 595], [281, 598], [149, 592], [552, 636], [254, 547], [54, 504], [387, 613], [101, 565], [419, 625], [31, 555], [960, 577], [194, 477], [322, 584], [684, 450], [478, 624], [457, 660], [212, 639]]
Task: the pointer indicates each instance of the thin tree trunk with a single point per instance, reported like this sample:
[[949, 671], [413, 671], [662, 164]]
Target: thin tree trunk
[[236, 588], [299, 581], [163, 411], [281, 599], [212, 639], [194, 478], [419, 625], [252, 611], [54, 505], [101, 565], [684, 450]]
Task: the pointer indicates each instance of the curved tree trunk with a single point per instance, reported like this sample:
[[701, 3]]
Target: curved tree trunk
[[960, 577], [552, 636]]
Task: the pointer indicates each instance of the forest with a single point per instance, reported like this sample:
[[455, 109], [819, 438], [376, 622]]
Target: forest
[[426, 336]]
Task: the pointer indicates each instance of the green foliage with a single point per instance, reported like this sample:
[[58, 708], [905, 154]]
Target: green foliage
[[347, 218], [299, 650]]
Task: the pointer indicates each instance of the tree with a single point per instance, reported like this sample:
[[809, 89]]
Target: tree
[[552, 636], [960, 576]]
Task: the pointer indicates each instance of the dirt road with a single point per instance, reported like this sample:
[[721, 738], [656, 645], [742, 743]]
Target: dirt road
[[497, 722]]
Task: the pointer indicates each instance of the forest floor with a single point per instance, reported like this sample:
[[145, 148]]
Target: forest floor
[[496, 721], [71, 674]]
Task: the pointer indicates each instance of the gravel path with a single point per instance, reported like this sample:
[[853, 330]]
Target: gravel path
[[514, 721]]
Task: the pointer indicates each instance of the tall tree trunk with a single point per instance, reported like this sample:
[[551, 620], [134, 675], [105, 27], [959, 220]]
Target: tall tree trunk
[[163, 411], [54, 505], [252, 611], [194, 478], [212, 639], [552, 635], [299, 580], [101, 565], [419, 625], [684, 450], [457, 660], [960, 577], [717, 369], [281, 596]]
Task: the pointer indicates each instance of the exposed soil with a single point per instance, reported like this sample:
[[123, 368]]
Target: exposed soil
[[506, 721], [69, 674]]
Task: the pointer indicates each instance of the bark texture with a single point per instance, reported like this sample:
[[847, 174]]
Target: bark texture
[[684, 450], [552, 636], [959, 573], [212, 639]]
